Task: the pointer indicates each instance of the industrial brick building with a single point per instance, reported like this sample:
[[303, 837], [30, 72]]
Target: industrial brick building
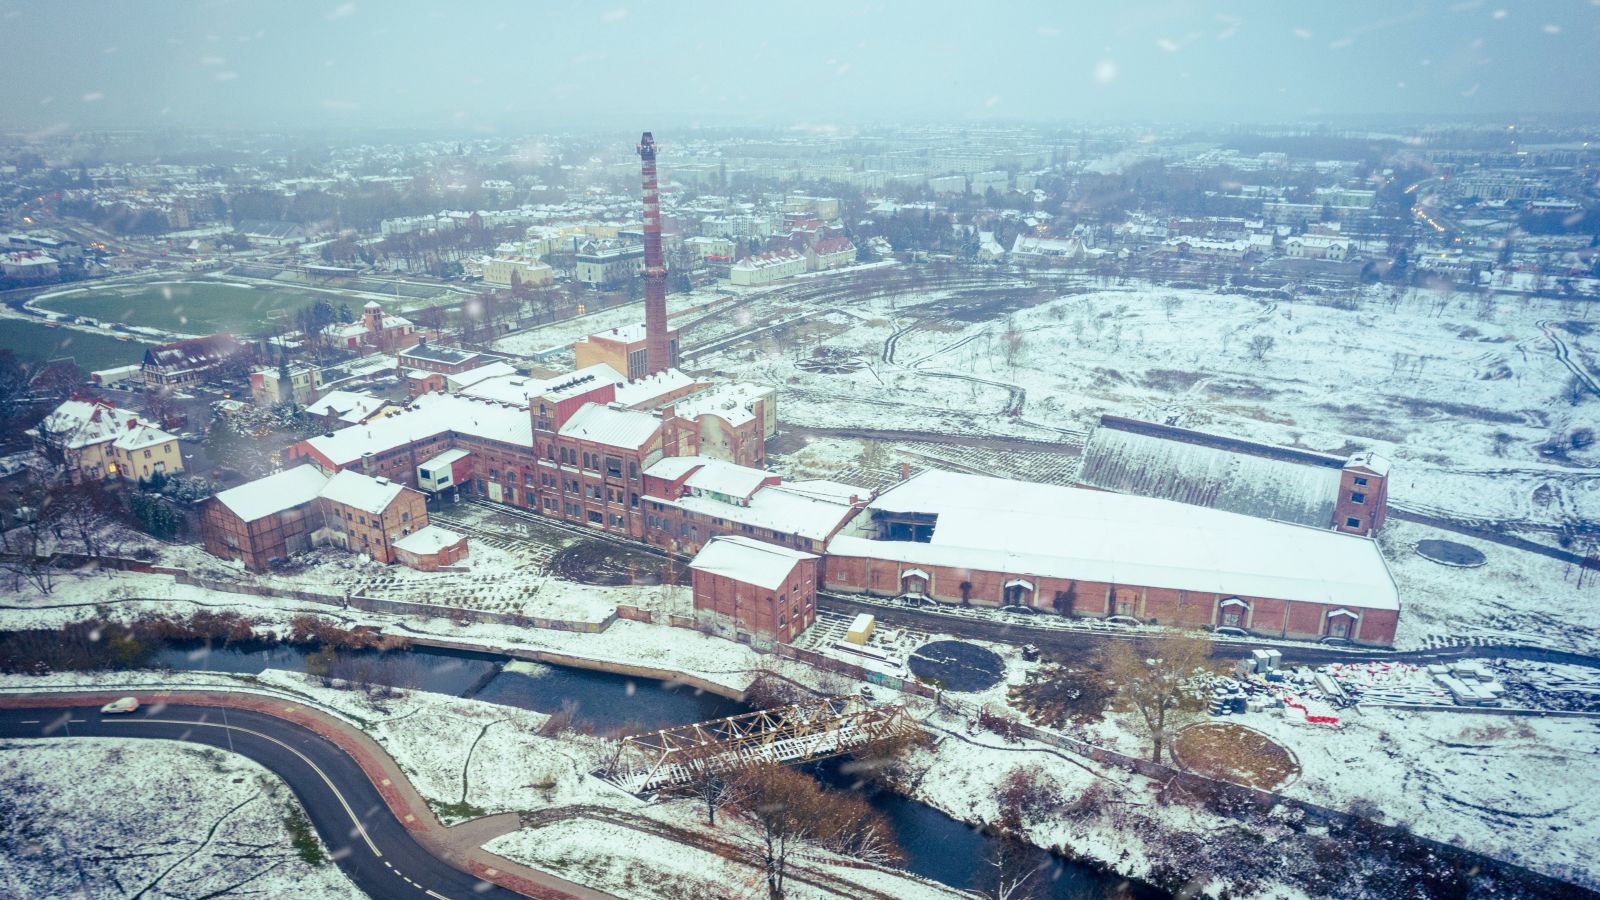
[[424, 367], [274, 518], [623, 349], [689, 500], [1281, 483], [976, 540], [754, 592]]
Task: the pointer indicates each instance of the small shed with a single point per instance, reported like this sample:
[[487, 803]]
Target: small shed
[[861, 629]]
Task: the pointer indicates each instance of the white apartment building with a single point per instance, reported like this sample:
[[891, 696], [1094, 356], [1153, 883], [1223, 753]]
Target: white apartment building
[[527, 269], [767, 268]]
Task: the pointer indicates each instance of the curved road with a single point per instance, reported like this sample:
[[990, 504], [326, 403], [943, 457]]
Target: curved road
[[371, 846]]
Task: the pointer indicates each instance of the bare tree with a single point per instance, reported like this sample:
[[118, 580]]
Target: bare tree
[[1151, 678], [1014, 867], [25, 551], [1260, 345], [82, 513], [1013, 342], [711, 784], [791, 812]]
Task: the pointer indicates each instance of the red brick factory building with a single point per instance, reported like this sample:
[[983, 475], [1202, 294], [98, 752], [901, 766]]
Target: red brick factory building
[[957, 538]]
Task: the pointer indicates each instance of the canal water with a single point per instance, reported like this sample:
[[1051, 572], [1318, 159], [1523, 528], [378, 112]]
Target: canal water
[[936, 846]]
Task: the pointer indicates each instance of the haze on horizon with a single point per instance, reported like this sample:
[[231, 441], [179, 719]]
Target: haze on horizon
[[519, 67]]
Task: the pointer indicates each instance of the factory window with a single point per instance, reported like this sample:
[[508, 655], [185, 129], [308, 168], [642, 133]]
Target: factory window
[[1357, 497], [1360, 481], [1352, 523]]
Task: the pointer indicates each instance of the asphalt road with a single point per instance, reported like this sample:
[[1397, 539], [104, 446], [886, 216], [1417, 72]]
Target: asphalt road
[[370, 845]]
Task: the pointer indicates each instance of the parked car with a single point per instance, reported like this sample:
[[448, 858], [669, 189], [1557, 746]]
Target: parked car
[[1230, 631], [121, 705], [1030, 652]]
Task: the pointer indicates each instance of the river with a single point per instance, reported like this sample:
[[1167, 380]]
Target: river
[[936, 846]]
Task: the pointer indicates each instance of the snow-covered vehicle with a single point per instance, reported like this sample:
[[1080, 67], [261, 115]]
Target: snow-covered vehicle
[[121, 705]]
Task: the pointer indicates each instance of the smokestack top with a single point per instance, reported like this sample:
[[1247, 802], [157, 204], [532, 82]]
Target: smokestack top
[[647, 146]]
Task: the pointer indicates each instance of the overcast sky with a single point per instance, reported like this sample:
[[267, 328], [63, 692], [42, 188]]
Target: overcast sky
[[526, 66]]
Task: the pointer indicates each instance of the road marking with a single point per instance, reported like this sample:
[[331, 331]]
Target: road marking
[[29, 722], [314, 767], [389, 864], [439, 896]]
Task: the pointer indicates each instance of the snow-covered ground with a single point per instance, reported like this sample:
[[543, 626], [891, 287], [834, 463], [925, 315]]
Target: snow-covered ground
[[1515, 597], [1461, 392], [127, 595], [1522, 789], [103, 817]]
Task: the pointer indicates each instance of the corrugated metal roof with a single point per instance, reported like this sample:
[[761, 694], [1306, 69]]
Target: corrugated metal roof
[[1151, 466]]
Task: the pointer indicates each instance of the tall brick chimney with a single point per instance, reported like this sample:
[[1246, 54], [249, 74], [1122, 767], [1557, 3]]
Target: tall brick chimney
[[657, 353]]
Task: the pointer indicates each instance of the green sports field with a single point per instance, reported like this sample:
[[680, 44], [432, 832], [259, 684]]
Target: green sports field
[[35, 341], [191, 307]]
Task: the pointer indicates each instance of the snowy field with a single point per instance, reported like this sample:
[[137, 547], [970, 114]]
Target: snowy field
[[640, 865], [1521, 789], [157, 819], [465, 754], [1515, 597], [1461, 391]]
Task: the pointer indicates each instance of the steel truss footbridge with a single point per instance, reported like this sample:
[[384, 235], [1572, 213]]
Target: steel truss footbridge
[[785, 735]]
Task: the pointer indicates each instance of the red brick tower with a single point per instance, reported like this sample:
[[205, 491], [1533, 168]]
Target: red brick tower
[[658, 353]]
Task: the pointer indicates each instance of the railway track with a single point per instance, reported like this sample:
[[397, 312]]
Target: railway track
[[1564, 356]]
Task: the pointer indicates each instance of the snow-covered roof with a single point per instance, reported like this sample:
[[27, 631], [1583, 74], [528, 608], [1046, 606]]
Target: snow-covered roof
[[649, 390], [463, 380], [768, 260], [609, 425], [275, 493], [671, 468], [776, 507], [81, 423], [362, 492], [579, 382], [730, 479], [348, 406], [1373, 462], [428, 415], [444, 459], [752, 562], [835, 491], [1023, 528], [427, 541], [733, 403], [625, 334], [1152, 466], [140, 437]]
